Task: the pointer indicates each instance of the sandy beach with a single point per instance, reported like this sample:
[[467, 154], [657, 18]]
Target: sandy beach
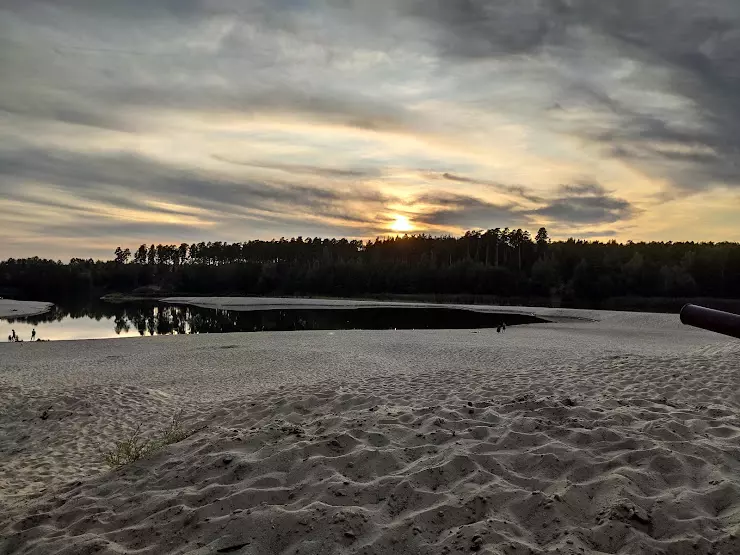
[[269, 303], [601, 433], [276, 303], [16, 309]]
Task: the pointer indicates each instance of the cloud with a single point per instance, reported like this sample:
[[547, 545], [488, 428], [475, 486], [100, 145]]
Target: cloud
[[593, 189], [586, 204], [693, 161], [134, 10], [250, 98], [574, 205], [690, 54], [127, 184], [316, 115], [485, 28], [103, 174], [516, 190], [250, 59], [40, 107], [123, 232], [305, 169], [460, 211], [668, 105]]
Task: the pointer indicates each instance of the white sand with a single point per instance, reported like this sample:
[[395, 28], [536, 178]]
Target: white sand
[[616, 436], [245, 304], [17, 309], [267, 303]]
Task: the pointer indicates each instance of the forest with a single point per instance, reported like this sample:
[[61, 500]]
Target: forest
[[494, 264]]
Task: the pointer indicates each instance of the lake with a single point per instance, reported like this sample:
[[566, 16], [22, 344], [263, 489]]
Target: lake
[[99, 320]]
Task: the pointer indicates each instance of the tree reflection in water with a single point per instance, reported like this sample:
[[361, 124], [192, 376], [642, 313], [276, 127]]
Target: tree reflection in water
[[152, 318]]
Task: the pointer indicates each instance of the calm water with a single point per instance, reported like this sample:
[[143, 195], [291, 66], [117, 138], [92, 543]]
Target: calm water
[[106, 320]]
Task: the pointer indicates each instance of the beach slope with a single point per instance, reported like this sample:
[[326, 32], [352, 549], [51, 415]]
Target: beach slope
[[619, 435]]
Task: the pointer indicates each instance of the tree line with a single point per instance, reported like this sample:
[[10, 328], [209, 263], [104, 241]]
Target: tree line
[[502, 263]]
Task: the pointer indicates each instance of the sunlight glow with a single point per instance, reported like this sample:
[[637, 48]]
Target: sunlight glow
[[402, 225]]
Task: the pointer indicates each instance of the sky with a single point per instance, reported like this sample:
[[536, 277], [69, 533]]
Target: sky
[[168, 121]]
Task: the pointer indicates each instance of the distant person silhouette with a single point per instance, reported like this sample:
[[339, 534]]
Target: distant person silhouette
[[33, 334], [15, 337], [503, 326], [498, 329]]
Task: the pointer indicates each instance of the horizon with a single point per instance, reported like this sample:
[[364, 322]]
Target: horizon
[[228, 118], [531, 236]]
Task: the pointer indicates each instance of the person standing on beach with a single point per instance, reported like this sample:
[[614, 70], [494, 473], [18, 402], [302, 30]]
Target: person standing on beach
[[14, 336], [33, 334]]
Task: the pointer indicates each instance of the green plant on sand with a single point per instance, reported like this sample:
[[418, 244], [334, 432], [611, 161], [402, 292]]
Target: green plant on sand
[[137, 447]]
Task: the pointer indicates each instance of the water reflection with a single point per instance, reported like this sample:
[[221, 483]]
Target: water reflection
[[102, 320]]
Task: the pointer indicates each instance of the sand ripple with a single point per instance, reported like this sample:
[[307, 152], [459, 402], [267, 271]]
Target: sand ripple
[[328, 472]]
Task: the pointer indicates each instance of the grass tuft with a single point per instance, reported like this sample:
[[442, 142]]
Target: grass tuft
[[137, 447]]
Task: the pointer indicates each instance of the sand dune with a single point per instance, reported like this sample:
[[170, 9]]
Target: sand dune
[[615, 436]]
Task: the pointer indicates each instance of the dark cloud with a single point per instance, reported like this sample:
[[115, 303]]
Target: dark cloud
[[305, 169], [694, 46], [53, 110], [144, 231], [693, 161], [484, 28], [118, 10], [127, 181], [516, 190], [248, 99], [586, 204], [464, 211], [584, 189], [698, 46], [577, 204]]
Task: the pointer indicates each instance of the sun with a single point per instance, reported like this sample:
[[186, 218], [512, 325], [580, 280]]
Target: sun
[[402, 225]]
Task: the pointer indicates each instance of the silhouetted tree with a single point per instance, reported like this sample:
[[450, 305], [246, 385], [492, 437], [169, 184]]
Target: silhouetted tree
[[122, 255], [542, 239], [140, 256]]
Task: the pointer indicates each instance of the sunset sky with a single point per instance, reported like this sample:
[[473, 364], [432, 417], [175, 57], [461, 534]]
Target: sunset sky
[[123, 122]]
